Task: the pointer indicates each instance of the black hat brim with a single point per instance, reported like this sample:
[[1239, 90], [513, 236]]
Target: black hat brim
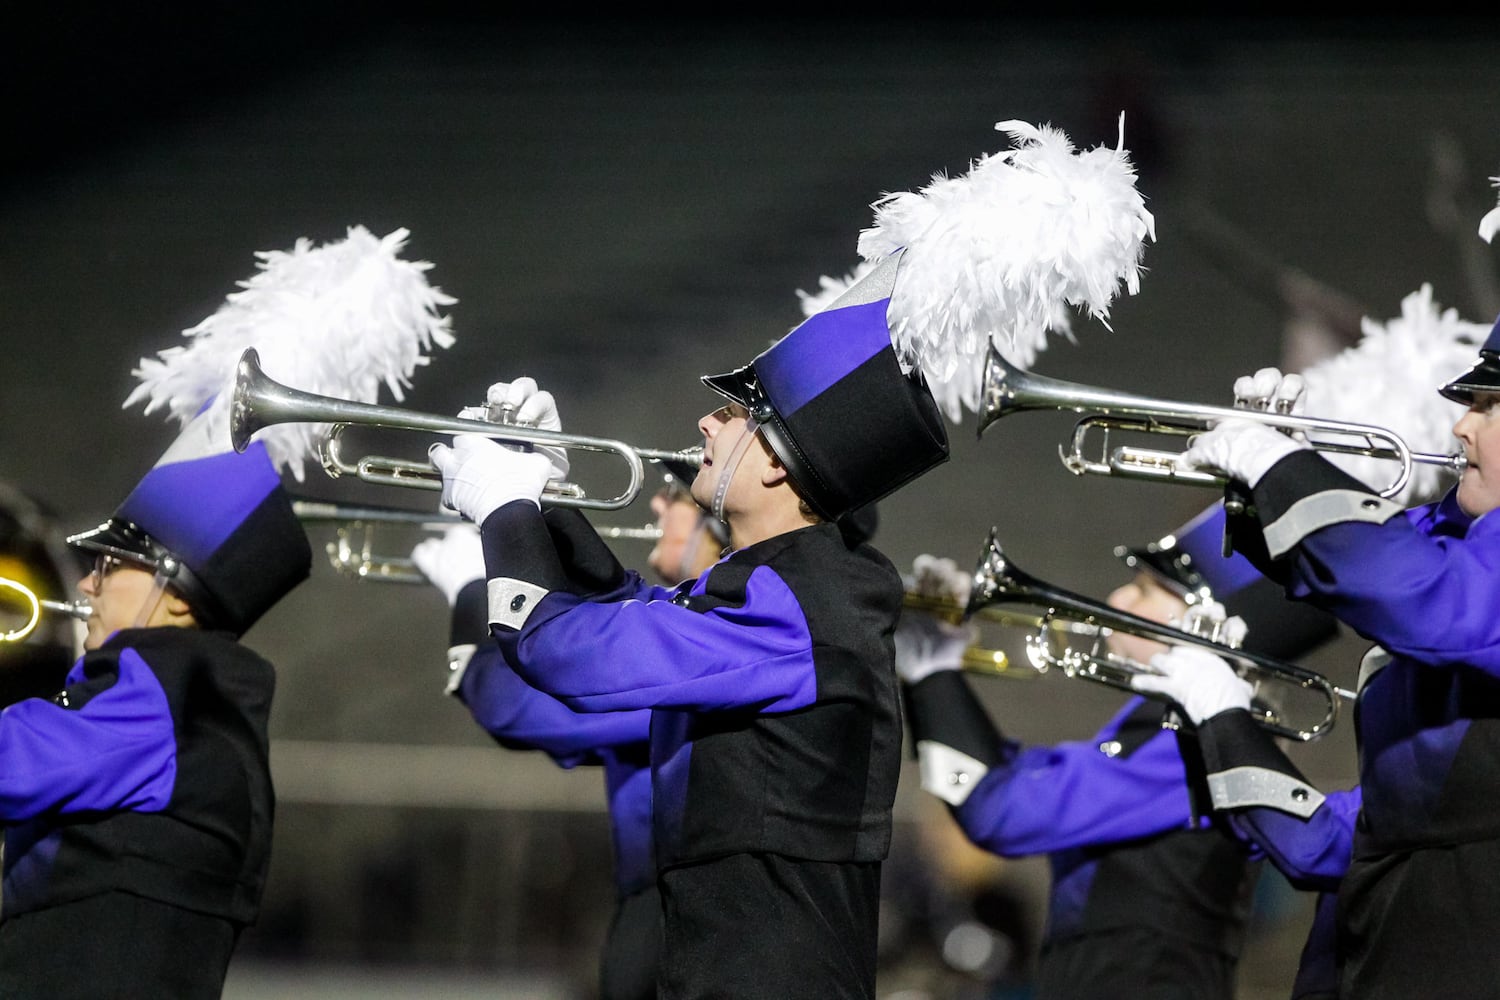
[[1166, 566], [116, 537], [736, 386], [1483, 377]]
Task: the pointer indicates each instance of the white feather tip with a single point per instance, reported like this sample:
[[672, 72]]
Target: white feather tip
[[1491, 221], [1001, 255]]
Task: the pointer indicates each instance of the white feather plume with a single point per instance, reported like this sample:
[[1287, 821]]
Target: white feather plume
[[341, 320], [1002, 254], [1390, 379], [1491, 221]]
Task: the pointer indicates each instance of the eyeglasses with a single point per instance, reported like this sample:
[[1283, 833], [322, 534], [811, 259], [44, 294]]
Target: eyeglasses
[[105, 564]]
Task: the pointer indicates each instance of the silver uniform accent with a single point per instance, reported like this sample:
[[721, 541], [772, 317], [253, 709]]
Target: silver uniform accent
[[1240, 787], [1323, 509], [950, 774], [512, 601], [1376, 659], [458, 662]]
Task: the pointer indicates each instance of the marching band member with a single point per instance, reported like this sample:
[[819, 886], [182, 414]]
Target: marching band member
[[1419, 838], [775, 726], [137, 800], [1149, 897]]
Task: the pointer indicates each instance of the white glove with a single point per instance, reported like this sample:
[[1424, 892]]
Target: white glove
[[940, 579], [1240, 449], [1211, 620], [523, 404], [480, 476], [1202, 683], [1270, 390], [451, 562], [926, 644]]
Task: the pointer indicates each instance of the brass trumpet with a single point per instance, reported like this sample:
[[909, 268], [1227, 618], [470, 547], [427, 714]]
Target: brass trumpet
[[997, 581], [977, 658], [1006, 389], [353, 554], [34, 606], [260, 401]]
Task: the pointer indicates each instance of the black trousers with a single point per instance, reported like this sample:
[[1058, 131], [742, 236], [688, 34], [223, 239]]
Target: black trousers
[[115, 946]]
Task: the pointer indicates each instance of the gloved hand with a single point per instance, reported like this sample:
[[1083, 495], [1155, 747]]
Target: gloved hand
[[452, 561], [925, 641], [523, 404], [480, 476], [940, 579], [1244, 449], [926, 644], [1239, 449], [1270, 390], [1202, 683], [1211, 620]]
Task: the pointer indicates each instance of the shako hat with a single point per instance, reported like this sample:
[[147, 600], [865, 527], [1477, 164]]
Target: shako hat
[[835, 406]]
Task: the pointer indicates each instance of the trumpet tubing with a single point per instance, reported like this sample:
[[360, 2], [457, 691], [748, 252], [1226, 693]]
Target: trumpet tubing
[[1006, 389], [998, 581], [12, 591], [353, 551], [259, 401]]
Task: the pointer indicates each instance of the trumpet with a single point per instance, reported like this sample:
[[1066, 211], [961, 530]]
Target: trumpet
[[260, 401], [1006, 389], [353, 552], [34, 606], [977, 658], [998, 581]]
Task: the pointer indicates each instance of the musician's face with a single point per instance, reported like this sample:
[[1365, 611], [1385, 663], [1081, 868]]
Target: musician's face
[[1479, 430], [120, 593], [1145, 597], [723, 432]]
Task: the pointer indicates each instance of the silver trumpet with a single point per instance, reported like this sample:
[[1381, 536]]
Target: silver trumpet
[[353, 552], [14, 590], [997, 581], [260, 401], [1007, 389]]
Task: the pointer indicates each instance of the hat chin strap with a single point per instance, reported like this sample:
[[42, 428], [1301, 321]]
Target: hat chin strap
[[726, 474], [165, 569]]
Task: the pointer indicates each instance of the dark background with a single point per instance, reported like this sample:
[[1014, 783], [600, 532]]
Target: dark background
[[620, 206]]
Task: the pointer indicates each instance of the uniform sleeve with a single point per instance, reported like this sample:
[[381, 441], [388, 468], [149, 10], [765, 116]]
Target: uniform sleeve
[[1308, 836], [520, 717], [649, 652], [1381, 570], [113, 747], [1074, 794], [1017, 801]]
